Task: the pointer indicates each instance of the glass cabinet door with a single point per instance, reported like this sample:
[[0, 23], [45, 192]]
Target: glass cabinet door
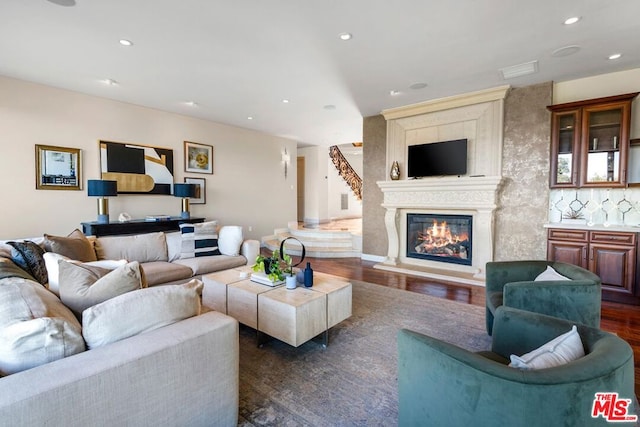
[[564, 149], [602, 148]]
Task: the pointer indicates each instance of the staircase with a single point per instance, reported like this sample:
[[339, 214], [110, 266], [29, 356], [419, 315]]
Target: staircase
[[345, 170], [318, 243]]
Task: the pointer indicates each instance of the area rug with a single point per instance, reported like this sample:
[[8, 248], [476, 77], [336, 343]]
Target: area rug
[[353, 381]]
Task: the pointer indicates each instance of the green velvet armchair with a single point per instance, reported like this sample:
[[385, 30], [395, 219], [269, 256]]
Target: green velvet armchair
[[440, 384], [511, 283]]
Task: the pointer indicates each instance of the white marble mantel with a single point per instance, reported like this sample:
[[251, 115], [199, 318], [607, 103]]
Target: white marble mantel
[[466, 195]]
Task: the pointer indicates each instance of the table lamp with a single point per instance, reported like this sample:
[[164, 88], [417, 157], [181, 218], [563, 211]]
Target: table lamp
[[102, 189], [185, 191]]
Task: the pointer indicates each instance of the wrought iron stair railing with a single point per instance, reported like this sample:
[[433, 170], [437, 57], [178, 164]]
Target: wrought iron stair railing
[[345, 170]]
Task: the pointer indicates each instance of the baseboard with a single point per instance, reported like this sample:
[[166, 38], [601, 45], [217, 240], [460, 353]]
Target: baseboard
[[370, 257]]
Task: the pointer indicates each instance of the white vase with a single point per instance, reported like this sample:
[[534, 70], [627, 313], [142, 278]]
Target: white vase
[[291, 282]]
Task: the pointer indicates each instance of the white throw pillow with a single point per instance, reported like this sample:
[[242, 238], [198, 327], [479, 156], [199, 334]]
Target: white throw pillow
[[230, 240], [559, 351], [550, 274], [53, 272], [140, 311], [82, 286], [174, 245]]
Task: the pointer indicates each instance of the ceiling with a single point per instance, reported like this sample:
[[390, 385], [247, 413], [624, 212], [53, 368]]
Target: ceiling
[[237, 59]]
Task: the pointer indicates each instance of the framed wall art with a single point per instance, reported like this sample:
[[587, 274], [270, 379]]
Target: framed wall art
[[58, 168], [201, 190], [138, 169], [198, 157]]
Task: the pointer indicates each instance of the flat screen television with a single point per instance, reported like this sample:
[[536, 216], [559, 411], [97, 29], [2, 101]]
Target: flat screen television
[[437, 159]]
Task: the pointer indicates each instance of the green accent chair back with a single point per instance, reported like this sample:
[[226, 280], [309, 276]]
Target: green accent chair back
[[440, 384], [511, 283]]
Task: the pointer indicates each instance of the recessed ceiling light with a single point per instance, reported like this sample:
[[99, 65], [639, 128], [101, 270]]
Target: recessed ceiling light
[[394, 92], [329, 107], [345, 36], [191, 103], [572, 20], [125, 42], [565, 51], [249, 117], [417, 86], [285, 101], [63, 2], [109, 82], [615, 56]]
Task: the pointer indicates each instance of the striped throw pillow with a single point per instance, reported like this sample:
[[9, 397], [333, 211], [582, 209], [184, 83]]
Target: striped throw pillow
[[199, 239]]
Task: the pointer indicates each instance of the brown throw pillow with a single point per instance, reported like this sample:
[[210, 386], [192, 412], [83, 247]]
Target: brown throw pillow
[[75, 246]]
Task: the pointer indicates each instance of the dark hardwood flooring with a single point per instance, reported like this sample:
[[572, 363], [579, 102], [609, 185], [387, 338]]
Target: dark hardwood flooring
[[621, 319]]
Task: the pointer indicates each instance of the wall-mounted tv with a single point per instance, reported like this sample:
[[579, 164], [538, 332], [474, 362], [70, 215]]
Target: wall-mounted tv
[[437, 159]]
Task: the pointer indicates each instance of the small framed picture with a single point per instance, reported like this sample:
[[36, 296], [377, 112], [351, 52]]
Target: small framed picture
[[198, 157], [201, 190], [58, 168]]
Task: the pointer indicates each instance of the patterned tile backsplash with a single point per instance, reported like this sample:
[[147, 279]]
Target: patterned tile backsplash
[[607, 206]]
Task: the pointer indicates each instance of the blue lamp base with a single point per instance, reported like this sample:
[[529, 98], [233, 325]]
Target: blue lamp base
[[103, 219], [185, 215]]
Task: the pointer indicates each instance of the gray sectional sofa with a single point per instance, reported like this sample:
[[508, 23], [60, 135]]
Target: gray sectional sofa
[[180, 370]]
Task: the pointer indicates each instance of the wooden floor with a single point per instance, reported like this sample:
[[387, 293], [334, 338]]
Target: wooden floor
[[621, 319]]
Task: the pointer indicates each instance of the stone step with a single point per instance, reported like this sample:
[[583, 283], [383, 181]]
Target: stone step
[[315, 251]]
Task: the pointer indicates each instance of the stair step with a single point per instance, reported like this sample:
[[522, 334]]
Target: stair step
[[318, 243], [321, 234], [316, 251]]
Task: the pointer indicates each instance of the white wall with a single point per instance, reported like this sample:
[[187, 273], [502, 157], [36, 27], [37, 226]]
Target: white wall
[[315, 201], [324, 186], [247, 188], [338, 186]]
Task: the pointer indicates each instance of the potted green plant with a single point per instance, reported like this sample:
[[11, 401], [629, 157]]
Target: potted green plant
[[279, 266], [270, 265], [290, 278]]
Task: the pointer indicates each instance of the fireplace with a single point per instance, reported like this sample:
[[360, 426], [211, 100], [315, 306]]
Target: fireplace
[[439, 237]]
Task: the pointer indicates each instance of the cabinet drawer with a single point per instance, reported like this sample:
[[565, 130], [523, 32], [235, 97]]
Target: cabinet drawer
[[565, 234], [613, 238]]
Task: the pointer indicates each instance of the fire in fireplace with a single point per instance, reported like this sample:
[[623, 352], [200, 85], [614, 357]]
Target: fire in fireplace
[[435, 237]]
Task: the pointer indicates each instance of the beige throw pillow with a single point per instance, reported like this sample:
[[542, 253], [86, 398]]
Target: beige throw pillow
[[82, 286], [140, 311], [74, 246], [147, 247], [51, 260], [35, 327]]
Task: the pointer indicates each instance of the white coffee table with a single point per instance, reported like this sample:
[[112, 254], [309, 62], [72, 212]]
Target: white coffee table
[[214, 293], [293, 316]]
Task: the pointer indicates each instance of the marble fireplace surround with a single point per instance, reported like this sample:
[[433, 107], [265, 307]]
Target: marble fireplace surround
[[475, 196], [478, 117]]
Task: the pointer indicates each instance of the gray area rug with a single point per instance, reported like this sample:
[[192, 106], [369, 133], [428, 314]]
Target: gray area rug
[[352, 382]]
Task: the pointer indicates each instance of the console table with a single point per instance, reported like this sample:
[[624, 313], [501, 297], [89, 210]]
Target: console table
[[135, 226]]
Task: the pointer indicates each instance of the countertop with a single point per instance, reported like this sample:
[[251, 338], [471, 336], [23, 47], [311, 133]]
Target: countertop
[[595, 227]]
